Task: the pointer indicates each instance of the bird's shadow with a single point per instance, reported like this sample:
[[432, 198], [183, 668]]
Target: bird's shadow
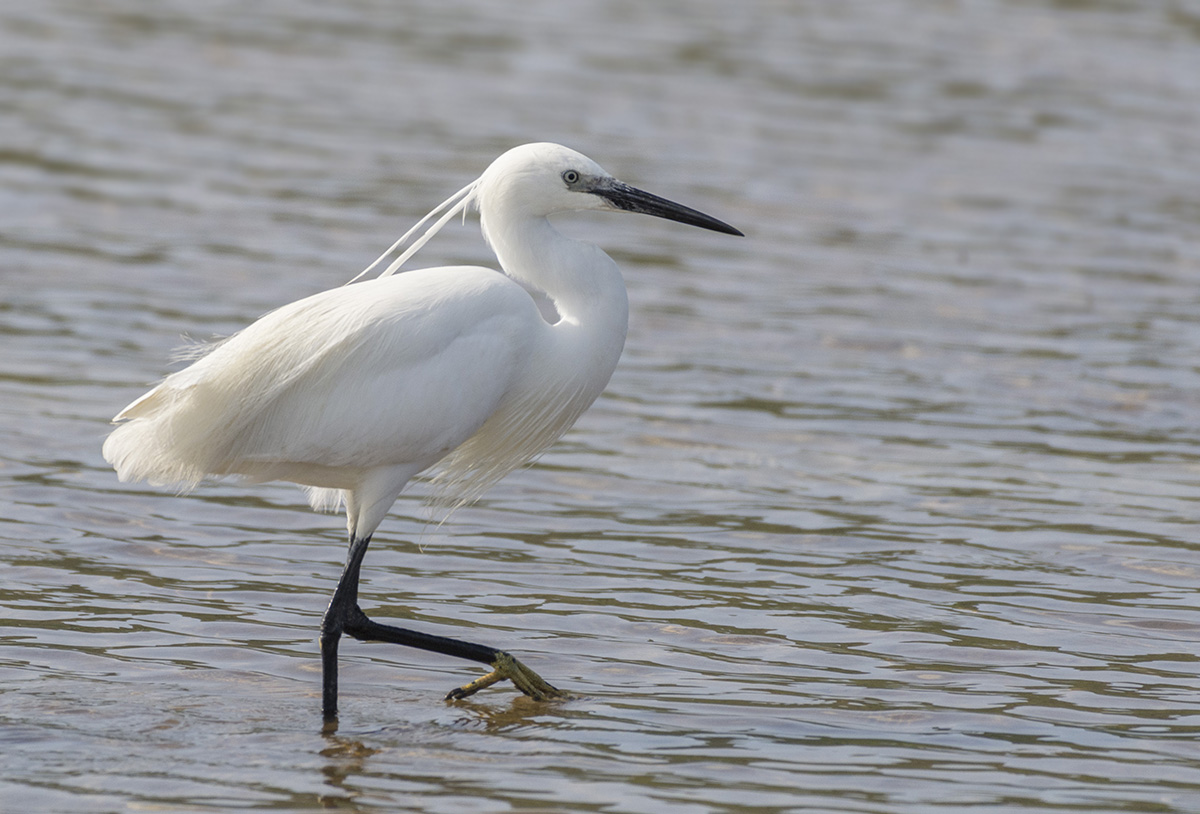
[[520, 711]]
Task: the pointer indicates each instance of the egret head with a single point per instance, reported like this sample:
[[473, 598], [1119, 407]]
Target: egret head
[[542, 179], [533, 181]]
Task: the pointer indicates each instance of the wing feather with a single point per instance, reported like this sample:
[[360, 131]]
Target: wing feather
[[394, 371]]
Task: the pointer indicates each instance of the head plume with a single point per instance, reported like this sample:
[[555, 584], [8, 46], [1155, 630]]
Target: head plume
[[457, 203]]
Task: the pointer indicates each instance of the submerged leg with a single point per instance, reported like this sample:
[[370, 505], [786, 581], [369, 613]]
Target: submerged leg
[[344, 616]]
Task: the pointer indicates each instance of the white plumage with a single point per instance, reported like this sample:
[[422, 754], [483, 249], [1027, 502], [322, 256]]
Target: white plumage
[[359, 388], [353, 391]]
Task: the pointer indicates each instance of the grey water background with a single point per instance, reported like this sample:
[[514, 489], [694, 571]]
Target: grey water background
[[890, 507]]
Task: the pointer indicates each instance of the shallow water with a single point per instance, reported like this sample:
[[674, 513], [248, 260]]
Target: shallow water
[[890, 507]]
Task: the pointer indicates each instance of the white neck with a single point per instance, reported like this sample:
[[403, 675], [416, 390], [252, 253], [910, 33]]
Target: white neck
[[581, 280]]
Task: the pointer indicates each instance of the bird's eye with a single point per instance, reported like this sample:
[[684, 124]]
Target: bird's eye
[[570, 177]]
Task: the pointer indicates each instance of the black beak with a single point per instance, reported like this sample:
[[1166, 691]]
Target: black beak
[[632, 199]]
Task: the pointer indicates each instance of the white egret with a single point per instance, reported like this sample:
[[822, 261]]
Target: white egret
[[353, 391]]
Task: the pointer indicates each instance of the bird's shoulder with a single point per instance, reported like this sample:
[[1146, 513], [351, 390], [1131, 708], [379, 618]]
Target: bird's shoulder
[[410, 318], [448, 294], [449, 291]]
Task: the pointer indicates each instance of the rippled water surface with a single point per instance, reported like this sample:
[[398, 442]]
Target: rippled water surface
[[890, 507]]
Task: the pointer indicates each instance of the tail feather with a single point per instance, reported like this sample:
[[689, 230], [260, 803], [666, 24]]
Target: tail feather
[[162, 440]]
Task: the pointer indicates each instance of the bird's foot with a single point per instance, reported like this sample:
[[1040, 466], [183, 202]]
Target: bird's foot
[[508, 667]]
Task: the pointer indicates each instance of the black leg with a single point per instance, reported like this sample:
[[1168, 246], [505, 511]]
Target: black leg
[[343, 604], [344, 616]]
